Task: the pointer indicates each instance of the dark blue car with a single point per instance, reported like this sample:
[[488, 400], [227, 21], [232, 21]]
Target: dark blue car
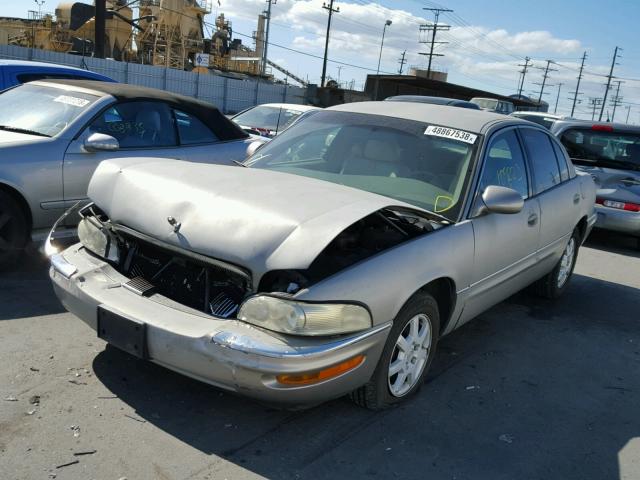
[[14, 72]]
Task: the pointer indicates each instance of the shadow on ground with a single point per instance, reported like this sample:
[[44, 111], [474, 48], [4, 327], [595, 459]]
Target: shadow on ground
[[544, 391], [25, 289], [614, 243]]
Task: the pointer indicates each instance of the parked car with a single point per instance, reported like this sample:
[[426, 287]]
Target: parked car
[[452, 102], [270, 119], [493, 105], [53, 134], [610, 153], [15, 72], [541, 118], [335, 262]]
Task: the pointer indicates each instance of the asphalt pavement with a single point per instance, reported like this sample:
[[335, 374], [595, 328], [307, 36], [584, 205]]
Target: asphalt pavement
[[531, 389]]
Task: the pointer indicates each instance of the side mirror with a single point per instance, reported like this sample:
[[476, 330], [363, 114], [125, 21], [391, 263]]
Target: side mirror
[[497, 199], [98, 142], [253, 147]]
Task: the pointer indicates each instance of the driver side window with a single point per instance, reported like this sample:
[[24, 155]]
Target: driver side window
[[137, 125], [504, 164]]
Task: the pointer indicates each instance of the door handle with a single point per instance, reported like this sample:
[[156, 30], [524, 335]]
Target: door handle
[[576, 198], [533, 219]]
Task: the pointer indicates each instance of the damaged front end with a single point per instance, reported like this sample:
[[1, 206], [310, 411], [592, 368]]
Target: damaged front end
[[225, 290]]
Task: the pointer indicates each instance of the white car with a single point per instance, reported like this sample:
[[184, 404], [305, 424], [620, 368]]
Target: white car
[[271, 118]]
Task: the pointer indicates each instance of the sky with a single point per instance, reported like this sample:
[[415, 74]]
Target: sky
[[486, 41]]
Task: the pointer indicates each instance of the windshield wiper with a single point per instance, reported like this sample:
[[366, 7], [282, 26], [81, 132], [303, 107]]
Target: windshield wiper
[[23, 130], [240, 163]]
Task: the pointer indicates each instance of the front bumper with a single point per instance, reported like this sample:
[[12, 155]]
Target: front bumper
[[618, 220], [226, 353]]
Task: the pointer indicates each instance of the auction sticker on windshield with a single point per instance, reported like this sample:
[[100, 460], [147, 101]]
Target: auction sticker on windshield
[[451, 133], [75, 101]]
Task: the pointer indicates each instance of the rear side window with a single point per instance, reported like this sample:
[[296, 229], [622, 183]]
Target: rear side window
[[546, 172], [504, 165], [562, 162], [191, 129]]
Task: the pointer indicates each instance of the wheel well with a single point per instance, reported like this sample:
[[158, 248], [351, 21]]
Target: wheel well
[[443, 290], [582, 228], [24, 206]]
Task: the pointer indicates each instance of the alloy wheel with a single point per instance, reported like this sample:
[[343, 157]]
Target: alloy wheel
[[409, 356]]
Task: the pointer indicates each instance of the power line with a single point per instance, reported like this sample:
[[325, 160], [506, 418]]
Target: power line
[[616, 101]]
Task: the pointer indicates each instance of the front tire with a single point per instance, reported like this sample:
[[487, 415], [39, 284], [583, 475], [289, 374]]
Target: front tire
[[14, 232], [553, 284], [406, 357]]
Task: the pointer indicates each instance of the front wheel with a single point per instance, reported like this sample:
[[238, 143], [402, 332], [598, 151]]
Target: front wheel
[[406, 357], [553, 284]]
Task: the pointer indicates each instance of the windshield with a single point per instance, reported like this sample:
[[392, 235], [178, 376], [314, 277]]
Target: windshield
[[485, 103], [41, 110], [602, 148], [409, 161], [267, 118]]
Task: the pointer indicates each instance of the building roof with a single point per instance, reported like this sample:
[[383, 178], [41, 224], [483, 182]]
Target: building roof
[[389, 85], [476, 121]]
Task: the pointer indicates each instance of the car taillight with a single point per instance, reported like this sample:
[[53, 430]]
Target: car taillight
[[630, 207], [602, 128]]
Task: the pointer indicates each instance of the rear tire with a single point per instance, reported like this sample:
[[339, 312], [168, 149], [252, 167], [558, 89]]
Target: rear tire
[[14, 230], [404, 363], [554, 283]]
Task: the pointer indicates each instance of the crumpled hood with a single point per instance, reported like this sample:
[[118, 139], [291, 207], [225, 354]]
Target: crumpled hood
[[615, 184], [259, 219]]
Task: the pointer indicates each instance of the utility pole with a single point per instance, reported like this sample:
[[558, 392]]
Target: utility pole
[[609, 77], [545, 75], [326, 43], [340, 67], [524, 73], [402, 61], [594, 102], [616, 101], [628, 107], [555, 110], [267, 14], [101, 14], [433, 28], [577, 92]]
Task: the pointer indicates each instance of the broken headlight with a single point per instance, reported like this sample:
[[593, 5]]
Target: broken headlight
[[95, 238], [301, 318]]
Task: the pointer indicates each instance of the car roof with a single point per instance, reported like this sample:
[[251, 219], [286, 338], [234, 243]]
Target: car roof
[[290, 106], [36, 66], [538, 114], [471, 120], [207, 112], [434, 100], [561, 125]]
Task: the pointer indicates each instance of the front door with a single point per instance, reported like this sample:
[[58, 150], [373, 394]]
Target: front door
[[505, 244], [143, 129]]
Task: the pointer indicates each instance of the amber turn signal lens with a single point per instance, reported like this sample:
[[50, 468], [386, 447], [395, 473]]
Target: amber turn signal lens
[[319, 376]]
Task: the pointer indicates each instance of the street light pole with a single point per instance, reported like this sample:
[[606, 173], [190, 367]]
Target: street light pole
[[386, 24]]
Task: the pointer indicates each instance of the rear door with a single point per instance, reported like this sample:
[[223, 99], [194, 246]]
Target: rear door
[[505, 244], [143, 129], [558, 194]]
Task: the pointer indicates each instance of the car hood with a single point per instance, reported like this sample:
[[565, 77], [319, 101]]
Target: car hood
[[615, 184], [8, 139], [259, 219]]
